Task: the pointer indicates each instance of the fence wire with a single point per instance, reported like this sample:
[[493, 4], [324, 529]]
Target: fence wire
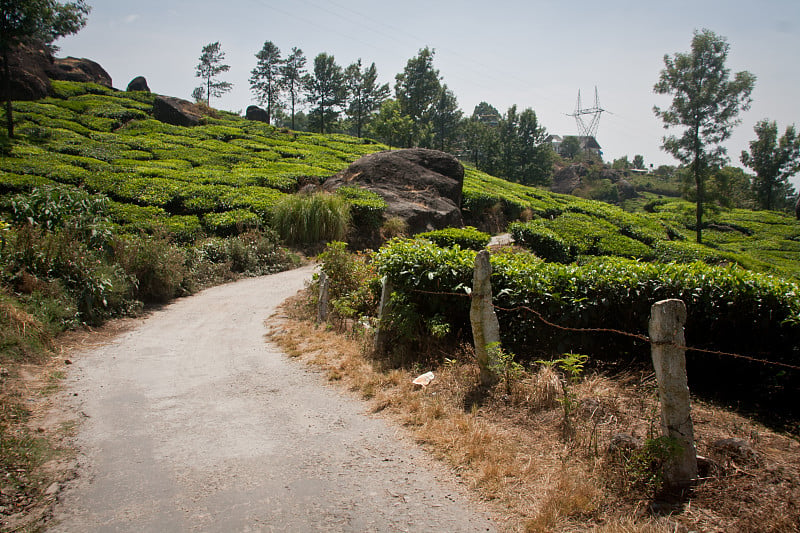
[[636, 336]]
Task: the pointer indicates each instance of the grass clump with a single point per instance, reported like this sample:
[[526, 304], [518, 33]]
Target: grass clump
[[308, 219]]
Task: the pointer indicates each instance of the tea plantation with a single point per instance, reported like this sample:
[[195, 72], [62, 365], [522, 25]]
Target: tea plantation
[[221, 177]]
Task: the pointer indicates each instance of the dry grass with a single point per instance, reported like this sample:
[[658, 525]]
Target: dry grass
[[514, 453]]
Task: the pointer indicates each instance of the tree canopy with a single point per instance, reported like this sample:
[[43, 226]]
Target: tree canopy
[[292, 72], [416, 90], [774, 160], [265, 78], [364, 94], [210, 66], [325, 91], [706, 103]]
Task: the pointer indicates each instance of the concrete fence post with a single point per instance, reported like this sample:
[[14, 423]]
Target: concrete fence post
[[324, 297], [667, 319], [381, 337], [485, 326]]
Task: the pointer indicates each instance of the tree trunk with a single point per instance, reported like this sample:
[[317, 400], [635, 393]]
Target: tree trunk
[[698, 181], [7, 95]]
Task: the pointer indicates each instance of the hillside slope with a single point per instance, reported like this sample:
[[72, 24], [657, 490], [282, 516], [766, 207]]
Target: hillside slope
[[227, 174]]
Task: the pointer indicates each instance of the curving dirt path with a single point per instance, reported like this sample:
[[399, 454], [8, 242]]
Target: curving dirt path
[[193, 422]]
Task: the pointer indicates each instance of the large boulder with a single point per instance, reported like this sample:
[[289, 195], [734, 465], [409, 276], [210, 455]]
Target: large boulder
[[256, 113], [139, 83], [78, 69], [420, 186], [176, 111], [28, 64], [626, 189], [567, 179], [33, 66]]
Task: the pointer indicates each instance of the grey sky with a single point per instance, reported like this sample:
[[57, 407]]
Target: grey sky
[[534, 54]]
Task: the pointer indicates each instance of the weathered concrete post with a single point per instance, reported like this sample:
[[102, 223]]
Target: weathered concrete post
[[667, 319], [381, 337], [324, 297], [485, 327]]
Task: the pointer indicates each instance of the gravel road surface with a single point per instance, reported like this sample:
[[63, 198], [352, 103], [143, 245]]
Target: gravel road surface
[[191, 421]]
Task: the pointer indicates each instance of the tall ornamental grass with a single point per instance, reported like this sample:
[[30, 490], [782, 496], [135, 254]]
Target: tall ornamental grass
[[306, 219]]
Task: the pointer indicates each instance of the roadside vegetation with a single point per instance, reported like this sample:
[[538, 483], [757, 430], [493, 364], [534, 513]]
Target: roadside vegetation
[[106, 211]]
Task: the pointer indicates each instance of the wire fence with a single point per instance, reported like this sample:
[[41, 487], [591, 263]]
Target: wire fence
[[636, 336]]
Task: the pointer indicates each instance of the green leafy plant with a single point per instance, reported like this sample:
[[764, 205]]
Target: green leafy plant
[[570, 366], [503, 364]]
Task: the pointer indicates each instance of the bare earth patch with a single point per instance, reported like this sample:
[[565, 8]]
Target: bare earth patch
[[549, 468]]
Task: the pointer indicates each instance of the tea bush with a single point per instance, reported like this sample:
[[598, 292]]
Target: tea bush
[[468, 237]]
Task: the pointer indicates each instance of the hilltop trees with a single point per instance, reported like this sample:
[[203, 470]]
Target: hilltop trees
[[774, 161], [706, 102], [292, 72], [445, 119], [325, 91], [416, 90], [21, 22], [210, 66], [265, 78], [364, 94]]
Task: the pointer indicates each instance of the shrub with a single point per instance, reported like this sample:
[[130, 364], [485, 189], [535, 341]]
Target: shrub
[[354, 283], [366, 207], [99, 288], [157, 265], [82, 215], [468, 237], [311, 218]]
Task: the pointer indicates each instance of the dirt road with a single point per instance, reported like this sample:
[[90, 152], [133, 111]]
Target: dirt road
[[193, 422]]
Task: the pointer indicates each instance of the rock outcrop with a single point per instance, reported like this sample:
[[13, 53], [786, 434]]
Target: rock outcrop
[[176, 111], [567, 179], [33, 66], [29, 79], [78, 69], [256, 113], [423, 187], [139, 83], [626, 189]]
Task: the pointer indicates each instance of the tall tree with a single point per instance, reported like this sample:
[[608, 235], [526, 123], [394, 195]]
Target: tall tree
[[445, 118], [571, 148], [534, 157], [416, 90], [265, 78], [210, 66], [774, 162], [27, 20], [292, 72], [638, 162], [325, 91], [706, 102], [364, 94], [390, 125]]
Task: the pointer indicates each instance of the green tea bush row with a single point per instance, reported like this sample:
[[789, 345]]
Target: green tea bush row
[[543, 241], [366, 207], [466, 238], [729, 308]]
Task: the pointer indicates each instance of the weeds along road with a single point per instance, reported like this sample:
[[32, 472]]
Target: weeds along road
[[193, 422]]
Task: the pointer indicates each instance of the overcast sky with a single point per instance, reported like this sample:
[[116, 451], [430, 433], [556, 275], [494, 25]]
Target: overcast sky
[[536, 53]]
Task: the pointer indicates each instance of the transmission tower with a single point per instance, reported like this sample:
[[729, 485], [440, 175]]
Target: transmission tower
[[587, 129]]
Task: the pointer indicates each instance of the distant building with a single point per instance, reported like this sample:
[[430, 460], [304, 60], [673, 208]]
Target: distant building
[[588, 144]]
